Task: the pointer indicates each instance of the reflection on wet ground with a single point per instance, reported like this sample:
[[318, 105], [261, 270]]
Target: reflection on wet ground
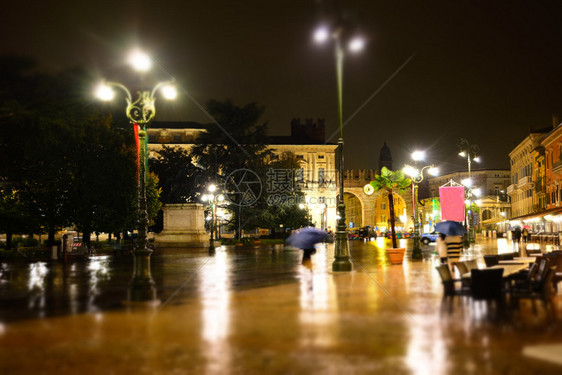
[[260, 310]]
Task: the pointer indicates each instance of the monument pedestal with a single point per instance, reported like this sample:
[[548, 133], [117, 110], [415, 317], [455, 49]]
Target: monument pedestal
[[184, 226]]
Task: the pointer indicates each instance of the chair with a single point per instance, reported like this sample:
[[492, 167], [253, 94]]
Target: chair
[[491, 260], [508, 256], [556, 261], [543, 265], [487, 284], [449, 289], [522, 280], [471, 264], [531, 252], [465, 281], [543, 292], [462, 267]]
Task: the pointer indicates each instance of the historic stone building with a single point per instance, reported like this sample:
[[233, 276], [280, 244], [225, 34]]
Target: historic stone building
[[317, 176], [521, 189]]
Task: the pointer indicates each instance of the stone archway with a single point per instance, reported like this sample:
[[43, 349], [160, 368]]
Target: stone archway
[[353, 210], [486, 214]]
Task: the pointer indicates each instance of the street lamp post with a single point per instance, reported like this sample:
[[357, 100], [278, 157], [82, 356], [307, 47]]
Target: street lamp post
[[469, 151], [341, 250], [416, 176], [212, 200], [140, 112]]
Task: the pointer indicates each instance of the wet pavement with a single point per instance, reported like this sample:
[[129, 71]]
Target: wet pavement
[[258, 310]]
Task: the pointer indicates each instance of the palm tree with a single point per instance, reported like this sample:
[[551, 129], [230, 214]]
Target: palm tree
[[391, 181]]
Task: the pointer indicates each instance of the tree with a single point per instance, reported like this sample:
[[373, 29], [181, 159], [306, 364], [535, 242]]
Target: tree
[[389, 182], [104, 192], [179, 178], [235, 142], [63, 162], [153, 192], [284, 197]]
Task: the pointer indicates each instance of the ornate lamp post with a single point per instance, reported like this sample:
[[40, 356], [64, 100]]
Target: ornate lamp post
[[323, 34], [416, 176], [140, 112], [212, 200], [470, 152]]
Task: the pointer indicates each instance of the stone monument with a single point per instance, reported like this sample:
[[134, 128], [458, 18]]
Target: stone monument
[[184, 226]]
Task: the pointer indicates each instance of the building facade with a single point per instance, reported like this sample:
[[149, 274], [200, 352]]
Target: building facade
[[521, 188], [316, 177]]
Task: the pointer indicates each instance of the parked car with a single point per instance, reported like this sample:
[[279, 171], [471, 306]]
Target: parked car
[[426, 238]]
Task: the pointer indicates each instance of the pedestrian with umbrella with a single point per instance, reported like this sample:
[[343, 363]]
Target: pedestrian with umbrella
[[453, 230], [305, 239]]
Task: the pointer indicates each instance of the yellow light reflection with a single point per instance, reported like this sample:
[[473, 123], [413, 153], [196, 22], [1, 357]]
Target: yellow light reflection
[[98, 269], [427, 350], [37, 273], [215, 295], [36, 285], [318, 302]]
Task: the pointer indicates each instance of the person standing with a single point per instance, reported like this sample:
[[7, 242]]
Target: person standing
[[454, 248], [441, 248], [525, 235]]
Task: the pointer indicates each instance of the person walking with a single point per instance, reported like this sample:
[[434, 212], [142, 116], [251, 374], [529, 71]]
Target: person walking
[[525, 235], [441, 248], [454, 248]]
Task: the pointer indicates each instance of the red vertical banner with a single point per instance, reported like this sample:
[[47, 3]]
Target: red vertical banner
[[136, 128], [452, 203]]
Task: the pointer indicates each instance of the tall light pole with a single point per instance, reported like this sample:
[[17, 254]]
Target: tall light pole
[[470, 152], [140, 112], [416, 175], [323, 34], [212, 199]]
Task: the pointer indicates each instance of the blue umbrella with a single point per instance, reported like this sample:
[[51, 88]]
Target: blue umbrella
[[307, 237], [450, 228]]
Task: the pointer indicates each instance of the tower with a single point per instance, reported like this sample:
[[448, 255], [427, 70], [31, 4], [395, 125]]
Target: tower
[[385, 158]]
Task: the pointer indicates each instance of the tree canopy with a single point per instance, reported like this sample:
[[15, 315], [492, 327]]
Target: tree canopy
[[65, 161]]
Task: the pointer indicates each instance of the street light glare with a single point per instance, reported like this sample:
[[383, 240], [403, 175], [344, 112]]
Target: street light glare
[[418, 155], [140, 61], [169, 92], [467, 182], [356, 44], [321, 34], [410, 171], [434, 171], [104, 92], [477, 159], [462, 153], [212, 188]]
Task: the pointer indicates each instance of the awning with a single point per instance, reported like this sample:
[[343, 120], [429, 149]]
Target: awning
[[552, 211]]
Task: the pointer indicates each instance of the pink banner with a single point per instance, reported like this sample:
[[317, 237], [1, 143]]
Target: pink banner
[[452, 203]]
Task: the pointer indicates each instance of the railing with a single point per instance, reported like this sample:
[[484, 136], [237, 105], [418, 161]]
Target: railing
[[524, 181], [511, 188]]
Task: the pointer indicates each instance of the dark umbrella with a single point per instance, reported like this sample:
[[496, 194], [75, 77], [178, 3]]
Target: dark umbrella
[[307, 237], [450, 228]]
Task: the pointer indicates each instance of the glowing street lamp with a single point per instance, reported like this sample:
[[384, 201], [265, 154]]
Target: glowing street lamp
[[213, 200], [140, 113], [470, 152], [416, 175], [322, 35]]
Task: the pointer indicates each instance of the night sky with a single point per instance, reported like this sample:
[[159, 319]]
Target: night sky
[[483, 70]]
